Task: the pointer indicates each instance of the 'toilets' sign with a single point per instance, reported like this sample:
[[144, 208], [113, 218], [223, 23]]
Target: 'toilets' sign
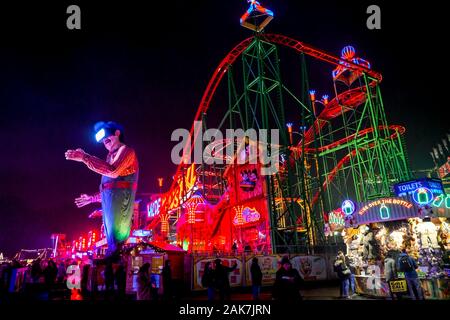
[[408, 187]]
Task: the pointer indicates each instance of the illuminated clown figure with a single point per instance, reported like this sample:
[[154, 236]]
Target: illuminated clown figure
[[118, 183]]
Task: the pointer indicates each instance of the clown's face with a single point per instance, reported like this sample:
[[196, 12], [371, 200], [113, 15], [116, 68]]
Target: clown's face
[[112, 141]]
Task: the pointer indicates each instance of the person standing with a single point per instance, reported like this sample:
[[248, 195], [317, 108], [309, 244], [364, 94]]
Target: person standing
[[234, 248], [343, 273], [350, 262], [154, 286], [121, 281], [143, 292], [256, 274], [36, 270], [109, 280], [390, 271], [287, 283], [167, 281], [118, 183], [222, 282], [208, 280], [61, 276], [50, 273], [408, 266]]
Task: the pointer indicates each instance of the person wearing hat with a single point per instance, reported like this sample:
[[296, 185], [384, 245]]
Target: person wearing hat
[[287, 282], [118, 183]]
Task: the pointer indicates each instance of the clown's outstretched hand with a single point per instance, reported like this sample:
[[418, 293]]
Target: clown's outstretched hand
[[75, 155], [83, 200]]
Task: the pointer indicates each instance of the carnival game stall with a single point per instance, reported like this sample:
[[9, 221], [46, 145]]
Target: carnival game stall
[[377, 227], [155, 254]]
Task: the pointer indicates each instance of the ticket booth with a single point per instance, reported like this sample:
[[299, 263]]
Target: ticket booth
[[155, 254]]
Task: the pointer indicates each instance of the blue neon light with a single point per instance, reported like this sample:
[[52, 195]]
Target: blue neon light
[[348, 52], [384, 212], [422, 196], [348, 207], [154, 208], [100, 135]]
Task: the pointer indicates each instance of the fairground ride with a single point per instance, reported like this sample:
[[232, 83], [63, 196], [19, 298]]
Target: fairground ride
[[344, 148]]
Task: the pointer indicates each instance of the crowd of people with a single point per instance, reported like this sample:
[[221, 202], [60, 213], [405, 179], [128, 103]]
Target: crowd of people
[[45, 279], [50, 279], [345, 269], [286, 287]]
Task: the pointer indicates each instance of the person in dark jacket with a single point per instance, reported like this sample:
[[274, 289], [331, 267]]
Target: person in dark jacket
[[222, 282], [350, 262], [85, 280], [287, 283], [167, 281], [121, 281], [36, 270], [208, 280], [408, 266], [343, 273], [143, 292], [154, 286], [255, 271], [50, 273], [61, 275], [109, 280]]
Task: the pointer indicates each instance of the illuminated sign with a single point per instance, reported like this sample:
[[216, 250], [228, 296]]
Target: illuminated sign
[[408, 187], [442, 200], [386, 201], [398, 286], [245, 215], [385, 209], [348, 207], [438, 201], [384, 212], [154, 208], [422, 196], [186, 183], [142, 233], [336, 219]]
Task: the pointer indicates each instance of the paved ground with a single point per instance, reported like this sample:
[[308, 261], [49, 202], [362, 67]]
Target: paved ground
[[314, 293], [310, 291]]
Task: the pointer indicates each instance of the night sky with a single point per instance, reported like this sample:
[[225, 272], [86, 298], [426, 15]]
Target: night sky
[[146, 64]]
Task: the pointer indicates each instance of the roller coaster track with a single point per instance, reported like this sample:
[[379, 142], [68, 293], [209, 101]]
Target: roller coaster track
[[350, 98]]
